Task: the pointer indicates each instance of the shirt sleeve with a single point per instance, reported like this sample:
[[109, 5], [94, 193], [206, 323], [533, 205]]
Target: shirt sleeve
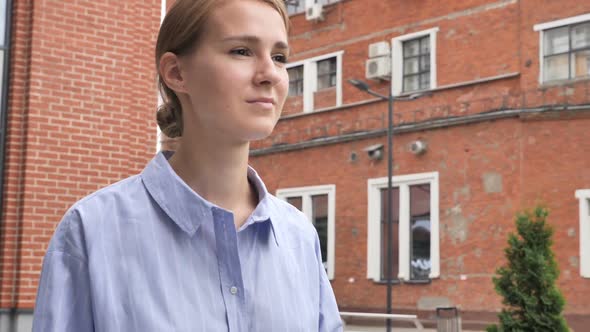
[[63, 297], [330, 320]]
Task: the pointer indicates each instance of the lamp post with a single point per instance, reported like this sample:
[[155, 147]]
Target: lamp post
[[390, 99]]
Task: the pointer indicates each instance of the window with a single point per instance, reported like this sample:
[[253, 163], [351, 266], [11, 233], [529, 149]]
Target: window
[[415, 227], [295, 6], [565, 49], [327, 73], [318, 81], [295, 81], [298, 6], [414, 62], [584, 201], [5, 18], [318, 203]]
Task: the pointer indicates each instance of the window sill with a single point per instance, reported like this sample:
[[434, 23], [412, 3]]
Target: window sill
[[552, 84], [399, 282]]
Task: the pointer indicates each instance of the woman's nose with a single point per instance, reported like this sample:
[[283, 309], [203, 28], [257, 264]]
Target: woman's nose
[[267, 72]]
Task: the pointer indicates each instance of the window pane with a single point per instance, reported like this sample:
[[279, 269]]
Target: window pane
[[424, 81], [296, 202], [295, 73], [295, 88], [326, 66], [326, 73], [295, 6], [411, 66], [411, 48], [425, 63], [394, 233], [581, 36], [419, 231], [581, 63], [295, 80], [320, 221], [556, 68], [333, 80], [1, 74], [411, 83], [425, 45], [324, 82], [556, 41], [2, 21]]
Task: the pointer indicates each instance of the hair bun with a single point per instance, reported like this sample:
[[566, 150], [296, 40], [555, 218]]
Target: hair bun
[[169, 120]]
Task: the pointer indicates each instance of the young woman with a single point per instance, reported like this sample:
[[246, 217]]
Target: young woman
[[196, 242]]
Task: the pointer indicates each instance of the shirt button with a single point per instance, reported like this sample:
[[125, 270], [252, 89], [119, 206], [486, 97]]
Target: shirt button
[[233, 290]]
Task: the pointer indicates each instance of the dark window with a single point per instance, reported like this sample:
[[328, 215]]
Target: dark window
[[319, 218], [326, 73], [5, 8], [320, 221], [419, 232], [296, 202], [295, 6], [416, 66], [295, 81], [566, 52], [394, 233]]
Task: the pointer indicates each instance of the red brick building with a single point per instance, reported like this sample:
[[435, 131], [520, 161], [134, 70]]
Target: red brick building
[[78, 114], [504, 125]]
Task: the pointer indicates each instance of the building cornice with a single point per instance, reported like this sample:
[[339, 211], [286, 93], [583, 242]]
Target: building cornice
[[420, 126]]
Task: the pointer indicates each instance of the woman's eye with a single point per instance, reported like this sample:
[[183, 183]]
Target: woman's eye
[[280, 58], [241, 51]]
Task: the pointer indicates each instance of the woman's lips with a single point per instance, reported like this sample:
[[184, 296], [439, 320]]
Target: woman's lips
[[263, 102]]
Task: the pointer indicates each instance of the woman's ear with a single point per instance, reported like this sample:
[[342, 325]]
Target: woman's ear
[[169, 68]]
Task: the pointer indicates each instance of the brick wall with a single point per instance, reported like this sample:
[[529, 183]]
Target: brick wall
[[531, 158], [81, 116]]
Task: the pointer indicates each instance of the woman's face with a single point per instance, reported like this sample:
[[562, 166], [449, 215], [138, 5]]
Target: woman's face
[[236, 78]]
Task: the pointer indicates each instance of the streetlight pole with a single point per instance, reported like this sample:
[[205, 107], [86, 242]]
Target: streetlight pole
[[390, 99], [389, 210]]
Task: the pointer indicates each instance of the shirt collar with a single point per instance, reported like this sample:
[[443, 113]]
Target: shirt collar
[[187, 208]]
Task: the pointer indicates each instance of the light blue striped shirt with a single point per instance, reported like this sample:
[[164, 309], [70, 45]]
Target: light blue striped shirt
[[149, 254]]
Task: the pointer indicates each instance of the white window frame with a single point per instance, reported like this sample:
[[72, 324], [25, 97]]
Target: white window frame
[[310, 78], [584, 201], [306, 193], [541, 27], [397, 59], [403, 182]]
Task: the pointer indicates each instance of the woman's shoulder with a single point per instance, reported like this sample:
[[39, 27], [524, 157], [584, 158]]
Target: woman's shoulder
[[92, 213], [114, 196]]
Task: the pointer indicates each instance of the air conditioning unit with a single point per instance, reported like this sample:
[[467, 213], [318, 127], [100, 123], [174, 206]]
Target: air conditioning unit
[[379, 49], [314, 12], [378, 68]]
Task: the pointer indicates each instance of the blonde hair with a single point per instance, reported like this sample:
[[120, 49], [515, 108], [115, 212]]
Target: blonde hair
[[180, 33]]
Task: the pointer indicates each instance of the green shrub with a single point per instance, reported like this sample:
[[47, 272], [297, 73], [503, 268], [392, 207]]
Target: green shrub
[[532, 301]]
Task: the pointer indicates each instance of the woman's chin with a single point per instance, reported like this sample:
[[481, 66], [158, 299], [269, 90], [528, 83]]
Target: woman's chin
[[258, 133]]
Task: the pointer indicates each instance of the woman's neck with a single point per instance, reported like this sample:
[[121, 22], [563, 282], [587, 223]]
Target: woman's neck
[[218, 174]]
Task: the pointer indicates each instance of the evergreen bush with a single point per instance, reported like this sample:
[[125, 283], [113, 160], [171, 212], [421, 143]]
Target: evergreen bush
[[532, 302]]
